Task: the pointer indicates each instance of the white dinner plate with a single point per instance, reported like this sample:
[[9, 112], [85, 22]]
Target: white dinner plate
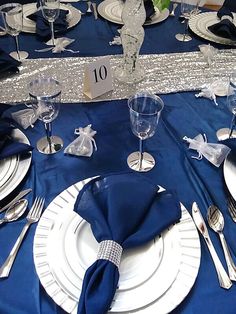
[[21, 168], [29, 26], [140, 269], [111, 10], [81, 251], [177, 267], [7, 167], [230, 173], [199, 24]]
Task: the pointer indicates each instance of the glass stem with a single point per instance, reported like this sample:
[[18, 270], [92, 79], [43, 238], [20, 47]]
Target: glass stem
[[17, 46], [185, 29], [52, 31], [232, 126], [140, 153], [48, 129]]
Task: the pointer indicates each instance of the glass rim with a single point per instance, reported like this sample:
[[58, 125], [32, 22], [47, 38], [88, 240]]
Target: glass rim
[[43, 97], [150, 95]]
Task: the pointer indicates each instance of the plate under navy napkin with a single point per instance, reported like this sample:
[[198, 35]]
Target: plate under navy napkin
[[7, 63], [43, 27], [8, 146], [127, 209], [225, 28], [149, 8]]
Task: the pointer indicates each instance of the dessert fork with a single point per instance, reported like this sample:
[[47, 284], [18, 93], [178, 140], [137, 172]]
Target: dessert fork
[[32, 217]]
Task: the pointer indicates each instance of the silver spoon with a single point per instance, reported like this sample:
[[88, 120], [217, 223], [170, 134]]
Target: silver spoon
[[216, 222], [15, 212]]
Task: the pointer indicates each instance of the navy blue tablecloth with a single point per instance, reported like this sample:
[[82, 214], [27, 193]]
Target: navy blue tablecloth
[[183, 115], [92, 38], [193, 180]]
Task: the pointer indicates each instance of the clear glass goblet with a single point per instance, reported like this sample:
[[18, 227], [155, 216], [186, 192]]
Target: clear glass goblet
[[50, 10], [231, 101], [12, 17], [225, 133], [145, 110], [187, 8], [45, 96]]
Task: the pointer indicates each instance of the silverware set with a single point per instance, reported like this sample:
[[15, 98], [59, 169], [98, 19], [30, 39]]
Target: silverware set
[[14, 211], [216, 222]]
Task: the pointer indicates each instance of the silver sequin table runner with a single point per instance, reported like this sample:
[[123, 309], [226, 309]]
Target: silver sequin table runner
[[165, 73]]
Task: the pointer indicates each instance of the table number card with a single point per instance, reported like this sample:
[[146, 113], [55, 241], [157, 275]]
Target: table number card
[[97, 78]]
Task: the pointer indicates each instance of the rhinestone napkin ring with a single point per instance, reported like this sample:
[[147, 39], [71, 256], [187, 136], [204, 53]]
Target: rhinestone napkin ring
[[111, 251]]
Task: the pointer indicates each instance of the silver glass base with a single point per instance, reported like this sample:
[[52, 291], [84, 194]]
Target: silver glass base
[[223, 134], [141, 165], [183, 37], [44, 147], [23, 55]]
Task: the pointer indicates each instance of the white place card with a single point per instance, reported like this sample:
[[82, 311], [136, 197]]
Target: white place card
[[97, 78]]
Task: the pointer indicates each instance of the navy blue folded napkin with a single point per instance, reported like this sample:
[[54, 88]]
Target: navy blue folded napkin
[[125, 208], [8, 146], [7, 63], [43, 26], [231, 143], [225, 28]]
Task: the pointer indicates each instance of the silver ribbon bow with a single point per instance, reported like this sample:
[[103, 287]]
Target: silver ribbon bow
[[60, 45]]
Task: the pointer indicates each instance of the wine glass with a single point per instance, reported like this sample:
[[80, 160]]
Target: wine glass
[[231, 102], [50, 10], [187, 8], [225, 133], [45, 96], [145, 110], [12, 17]]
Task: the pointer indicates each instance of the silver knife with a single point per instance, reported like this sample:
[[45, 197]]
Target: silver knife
[[95, 12], [224, 279], [17, 198]]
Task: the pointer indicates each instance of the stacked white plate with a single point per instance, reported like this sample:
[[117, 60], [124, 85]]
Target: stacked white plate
[[199, 24], [111, 10], [13, 169], [154, 278]]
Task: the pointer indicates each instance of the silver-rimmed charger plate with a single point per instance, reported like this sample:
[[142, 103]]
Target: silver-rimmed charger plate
[[111, 10], [21, 168], [7, 168], [199, 24], [29, 26], [229, 170], [185, 243]]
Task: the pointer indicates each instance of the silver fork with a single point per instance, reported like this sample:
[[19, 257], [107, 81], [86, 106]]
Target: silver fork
[[32, 217], [232, 207]]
